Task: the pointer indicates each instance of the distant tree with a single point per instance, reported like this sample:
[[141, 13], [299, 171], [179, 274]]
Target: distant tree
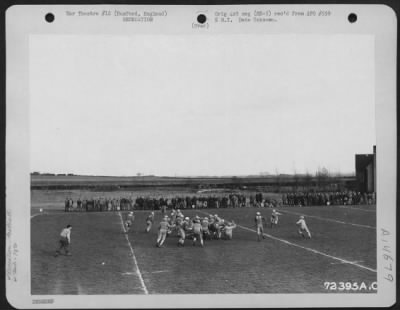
[[322, 176], [336, 179], [277, 180], [308, 180], [235, 180], [296, 178]]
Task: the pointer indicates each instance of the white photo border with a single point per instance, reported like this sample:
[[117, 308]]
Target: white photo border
[[25, 20]]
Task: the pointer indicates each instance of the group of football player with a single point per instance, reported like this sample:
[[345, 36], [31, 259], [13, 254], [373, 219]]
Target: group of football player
[[210, 227], [197, 229]]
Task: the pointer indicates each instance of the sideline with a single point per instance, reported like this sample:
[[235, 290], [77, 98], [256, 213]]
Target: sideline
[[352, 208]]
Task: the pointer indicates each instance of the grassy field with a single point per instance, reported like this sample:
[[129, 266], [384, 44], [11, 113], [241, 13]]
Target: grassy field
[[284, 182], [73, 180], [342, 249]]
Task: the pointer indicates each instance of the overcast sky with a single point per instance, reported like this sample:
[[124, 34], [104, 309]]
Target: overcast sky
[[200, 105]]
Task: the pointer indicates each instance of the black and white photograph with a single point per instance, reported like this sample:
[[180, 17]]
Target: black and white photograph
[[192, 151]]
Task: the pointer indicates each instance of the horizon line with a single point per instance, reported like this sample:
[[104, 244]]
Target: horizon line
[[191, 176]]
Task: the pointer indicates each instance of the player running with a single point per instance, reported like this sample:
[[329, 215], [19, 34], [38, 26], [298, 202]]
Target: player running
[[180, 223], [206, 231], [211, 227], [129, 221], [188, 227], [216, 226], [65, 241], [162, 231], [301, 223], [186, 230], [227, 230], [259, 220], [149, 222], [172, 221], [197, 231], [221, 226], [274, 218]]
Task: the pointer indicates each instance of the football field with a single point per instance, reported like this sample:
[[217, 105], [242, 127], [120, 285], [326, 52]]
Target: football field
[[105, 260]]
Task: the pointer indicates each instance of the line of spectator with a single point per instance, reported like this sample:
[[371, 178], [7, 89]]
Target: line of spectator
[[328, 198], [178, 202], [215, 202]]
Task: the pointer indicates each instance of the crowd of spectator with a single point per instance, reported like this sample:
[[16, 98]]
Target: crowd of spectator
[[328, 198], [214, 202], [178, 202]]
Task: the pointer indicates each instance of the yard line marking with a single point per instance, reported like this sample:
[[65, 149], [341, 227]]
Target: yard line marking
[[32, 216], [343, 207], [329, 220], [158, 271], [344, 261], [356, 261], [134, 273], [134, 257]]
